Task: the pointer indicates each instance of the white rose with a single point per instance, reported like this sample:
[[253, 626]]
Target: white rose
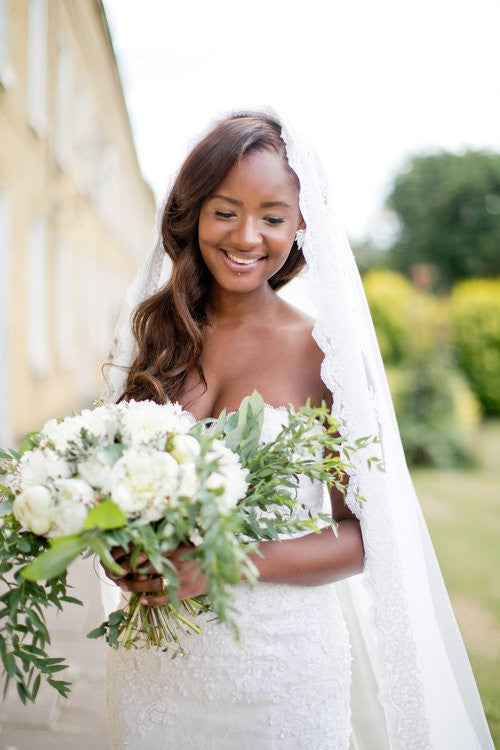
[[143, 481], [185, 448], [230, 476], [147, 423], [101, 423], [96, 471], [73, 501], [63, 435], [33, 509], [37, 466], [188, 480]]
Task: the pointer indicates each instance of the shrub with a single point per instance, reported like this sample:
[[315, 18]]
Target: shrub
[[436, 410], [475, 326], [389, 296]]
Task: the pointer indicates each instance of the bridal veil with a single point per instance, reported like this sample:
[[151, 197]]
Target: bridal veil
[[413, 687]]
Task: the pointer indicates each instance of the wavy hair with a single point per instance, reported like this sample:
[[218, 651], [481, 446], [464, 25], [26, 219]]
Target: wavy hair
[[168, 326]]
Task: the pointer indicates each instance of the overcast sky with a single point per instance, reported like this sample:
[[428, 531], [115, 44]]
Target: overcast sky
[[368, 81]]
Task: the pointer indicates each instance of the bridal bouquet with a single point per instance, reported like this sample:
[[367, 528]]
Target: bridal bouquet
[[147, 478]]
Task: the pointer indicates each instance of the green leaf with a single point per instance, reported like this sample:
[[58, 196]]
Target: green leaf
[[55, 560], [71, 600], [36, 687], [61, 686], [98, 632], [114, 451], [98, 546], [105, 515], [6, 507], [22, 692], [30, 441]]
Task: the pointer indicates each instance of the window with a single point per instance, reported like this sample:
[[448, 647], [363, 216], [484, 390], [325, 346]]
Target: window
[[7, 75], [63, 103], [64, 300], [37, 66], [5, 257], [37, 298]]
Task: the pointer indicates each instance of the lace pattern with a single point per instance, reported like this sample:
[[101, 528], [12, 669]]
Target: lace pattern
[[354, 404], [266, 692]]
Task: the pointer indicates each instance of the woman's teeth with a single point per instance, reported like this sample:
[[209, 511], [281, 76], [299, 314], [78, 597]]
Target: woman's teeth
[[241, 261]]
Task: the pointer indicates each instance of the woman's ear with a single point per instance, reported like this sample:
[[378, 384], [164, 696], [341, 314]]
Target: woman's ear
[[302, 223]]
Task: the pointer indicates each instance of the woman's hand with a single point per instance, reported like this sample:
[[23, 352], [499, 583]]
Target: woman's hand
[[191, 581]]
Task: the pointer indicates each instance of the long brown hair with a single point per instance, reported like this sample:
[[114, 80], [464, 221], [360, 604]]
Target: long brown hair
[[168, 326]]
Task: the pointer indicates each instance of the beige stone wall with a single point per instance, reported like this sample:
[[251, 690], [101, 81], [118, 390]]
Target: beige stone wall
[[75, 179]]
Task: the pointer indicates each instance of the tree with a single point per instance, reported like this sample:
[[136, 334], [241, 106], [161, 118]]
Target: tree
[[448, 207]]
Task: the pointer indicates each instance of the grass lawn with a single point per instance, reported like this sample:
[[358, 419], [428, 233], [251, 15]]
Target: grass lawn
[[462, 512]]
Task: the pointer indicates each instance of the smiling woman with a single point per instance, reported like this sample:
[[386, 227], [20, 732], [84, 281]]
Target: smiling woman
[[215, 332], [249, 224], [235, 200]]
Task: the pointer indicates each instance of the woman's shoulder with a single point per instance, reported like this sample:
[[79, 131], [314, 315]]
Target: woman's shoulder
[[298, 334], [297, 324]]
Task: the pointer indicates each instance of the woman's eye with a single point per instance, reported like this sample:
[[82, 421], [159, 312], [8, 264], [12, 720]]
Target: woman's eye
[[273, 220], [224, 215]]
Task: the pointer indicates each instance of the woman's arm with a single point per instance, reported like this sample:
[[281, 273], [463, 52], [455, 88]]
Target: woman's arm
[[314, 559], [310, 560]]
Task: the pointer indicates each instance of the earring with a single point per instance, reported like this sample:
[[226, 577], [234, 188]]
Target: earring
[[299, 237]]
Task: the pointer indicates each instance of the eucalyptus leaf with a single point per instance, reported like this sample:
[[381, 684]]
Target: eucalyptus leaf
[[113, 452]]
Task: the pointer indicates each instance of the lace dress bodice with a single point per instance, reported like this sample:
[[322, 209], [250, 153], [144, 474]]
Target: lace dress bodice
[[285, 685]]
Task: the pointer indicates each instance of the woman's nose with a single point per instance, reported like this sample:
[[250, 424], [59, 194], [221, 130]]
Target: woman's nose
[[246, 234]]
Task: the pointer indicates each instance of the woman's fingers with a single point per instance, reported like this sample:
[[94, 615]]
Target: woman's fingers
[[143, 584], [154, 600], [122, 557]]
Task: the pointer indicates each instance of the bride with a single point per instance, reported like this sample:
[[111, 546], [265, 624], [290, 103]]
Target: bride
[[249, 208]]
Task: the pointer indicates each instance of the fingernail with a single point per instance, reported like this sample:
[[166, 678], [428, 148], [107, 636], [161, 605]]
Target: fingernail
[[144, 600]]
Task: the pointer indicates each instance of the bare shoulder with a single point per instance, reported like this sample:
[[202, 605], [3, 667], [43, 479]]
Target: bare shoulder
[[297, 327], [296, 323]]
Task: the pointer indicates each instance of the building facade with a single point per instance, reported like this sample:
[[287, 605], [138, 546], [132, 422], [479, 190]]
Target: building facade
[[76, 215]]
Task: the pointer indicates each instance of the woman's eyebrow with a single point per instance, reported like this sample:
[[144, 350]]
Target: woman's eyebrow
[[265, 204]]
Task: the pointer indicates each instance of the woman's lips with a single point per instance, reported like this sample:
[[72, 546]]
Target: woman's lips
[[239, 263]]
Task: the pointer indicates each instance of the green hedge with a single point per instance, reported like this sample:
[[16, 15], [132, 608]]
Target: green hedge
[[390, 296], [436, 410], [475, 327]]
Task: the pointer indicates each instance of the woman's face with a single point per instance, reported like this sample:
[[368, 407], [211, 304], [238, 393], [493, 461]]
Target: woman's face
[[247, 225]]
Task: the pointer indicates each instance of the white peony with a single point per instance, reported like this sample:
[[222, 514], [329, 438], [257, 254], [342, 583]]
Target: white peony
[[73, 501], [63, 435], [147, 423], [96, 471], [230, 476], [144, 481], [33, 509], [188, 480], [101, 423], [38, 466], [185, 448]]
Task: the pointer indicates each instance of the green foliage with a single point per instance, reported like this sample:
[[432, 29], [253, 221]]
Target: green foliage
[[475, 324], [436, 411], [448, 207], [437, 414], [23, 632], [226, 535], [390, 298]]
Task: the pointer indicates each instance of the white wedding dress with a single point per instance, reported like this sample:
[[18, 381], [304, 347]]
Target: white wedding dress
[[286, 685]]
